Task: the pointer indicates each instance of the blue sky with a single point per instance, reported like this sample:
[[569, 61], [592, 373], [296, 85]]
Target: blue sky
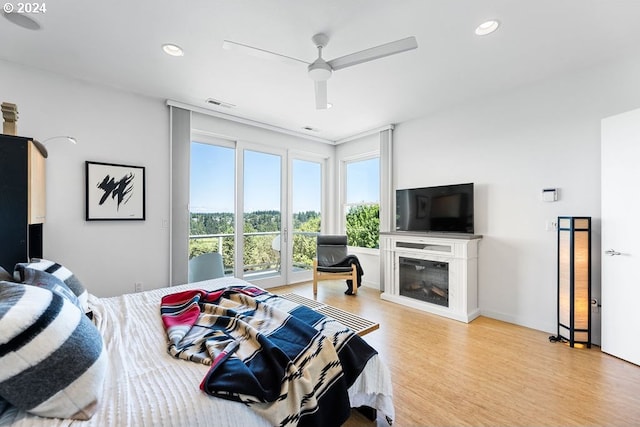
[[213, 182]]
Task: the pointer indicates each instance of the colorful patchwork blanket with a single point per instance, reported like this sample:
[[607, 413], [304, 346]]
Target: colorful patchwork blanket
[[287, 362]]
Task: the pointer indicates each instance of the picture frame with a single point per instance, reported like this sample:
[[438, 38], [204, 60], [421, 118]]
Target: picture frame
[[114, 192]]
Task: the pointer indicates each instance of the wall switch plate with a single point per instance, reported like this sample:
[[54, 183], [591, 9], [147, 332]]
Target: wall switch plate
[[549, 194], [137, 286], [551, 225]]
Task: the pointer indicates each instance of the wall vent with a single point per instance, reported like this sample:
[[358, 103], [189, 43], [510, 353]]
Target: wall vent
[[218, 103]]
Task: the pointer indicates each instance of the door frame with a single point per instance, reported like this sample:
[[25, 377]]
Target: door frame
[[241, 147], [307, 275]]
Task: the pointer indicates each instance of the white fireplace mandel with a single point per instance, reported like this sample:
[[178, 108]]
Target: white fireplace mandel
[[437, 273]]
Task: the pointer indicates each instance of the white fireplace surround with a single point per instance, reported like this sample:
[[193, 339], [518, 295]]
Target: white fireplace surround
[[460, 251]]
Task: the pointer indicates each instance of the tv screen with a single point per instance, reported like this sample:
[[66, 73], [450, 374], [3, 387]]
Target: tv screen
[[445, 208]]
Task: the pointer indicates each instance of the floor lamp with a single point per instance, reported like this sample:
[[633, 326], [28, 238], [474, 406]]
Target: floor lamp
[[574, 280]]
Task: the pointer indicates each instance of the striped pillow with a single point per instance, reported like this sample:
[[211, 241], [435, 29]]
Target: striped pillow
[[40, 268], [53, 358], [33, 277]]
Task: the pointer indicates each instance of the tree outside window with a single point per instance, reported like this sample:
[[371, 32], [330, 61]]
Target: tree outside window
[[362, 207]]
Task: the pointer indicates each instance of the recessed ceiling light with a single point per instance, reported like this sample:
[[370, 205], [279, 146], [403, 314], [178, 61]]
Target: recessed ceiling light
[[487, 27], [172, 49], [329, 105], [21, 19]]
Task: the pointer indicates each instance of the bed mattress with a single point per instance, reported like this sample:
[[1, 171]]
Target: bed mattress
[[145, 386]]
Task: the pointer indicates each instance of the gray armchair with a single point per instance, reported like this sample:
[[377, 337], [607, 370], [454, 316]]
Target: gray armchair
[[332, 262], [206, 266]]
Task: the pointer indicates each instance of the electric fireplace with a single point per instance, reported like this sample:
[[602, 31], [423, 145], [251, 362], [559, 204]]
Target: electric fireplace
[[433, 273], [424, 280]]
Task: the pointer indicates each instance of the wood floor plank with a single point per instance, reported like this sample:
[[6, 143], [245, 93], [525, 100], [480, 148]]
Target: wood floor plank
[[487, 372]]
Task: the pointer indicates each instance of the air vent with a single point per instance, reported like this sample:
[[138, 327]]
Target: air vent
[[218, 103]]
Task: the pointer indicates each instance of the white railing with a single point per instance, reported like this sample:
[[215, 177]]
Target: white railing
[[270, 260]]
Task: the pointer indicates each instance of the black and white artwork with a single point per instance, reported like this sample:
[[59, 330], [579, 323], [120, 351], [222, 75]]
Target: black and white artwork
[[114, 192]]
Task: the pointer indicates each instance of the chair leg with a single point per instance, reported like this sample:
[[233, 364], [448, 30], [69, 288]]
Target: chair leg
[[354, 279], [315, 277]]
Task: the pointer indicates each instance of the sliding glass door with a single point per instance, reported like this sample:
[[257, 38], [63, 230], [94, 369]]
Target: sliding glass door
[[212, 201], [262, 217], [305, 218], [260, 208]]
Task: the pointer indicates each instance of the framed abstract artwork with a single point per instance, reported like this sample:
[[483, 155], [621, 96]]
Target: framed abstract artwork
[[114, 192]]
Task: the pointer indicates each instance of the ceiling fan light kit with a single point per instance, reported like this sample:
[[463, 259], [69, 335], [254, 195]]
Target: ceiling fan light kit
[[320, 70]]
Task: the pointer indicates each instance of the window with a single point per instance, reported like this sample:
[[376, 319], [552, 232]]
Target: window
[[306, 211], [212, 225], [262, 214], [362, 202]]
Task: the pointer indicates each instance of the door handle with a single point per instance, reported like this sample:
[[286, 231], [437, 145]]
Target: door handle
[[611, 252]]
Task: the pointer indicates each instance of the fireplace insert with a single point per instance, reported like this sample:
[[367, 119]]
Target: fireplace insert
[[424, 280]]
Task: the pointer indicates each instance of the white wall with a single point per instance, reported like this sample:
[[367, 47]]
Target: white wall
[[110, 126], [512, 146]]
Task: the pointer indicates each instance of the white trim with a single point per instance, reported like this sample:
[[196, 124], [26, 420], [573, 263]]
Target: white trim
[[212, 140], [360, 157], [170, 219], [267, 126], [362, 250], [363, 134], [206, 136], [254, 123]]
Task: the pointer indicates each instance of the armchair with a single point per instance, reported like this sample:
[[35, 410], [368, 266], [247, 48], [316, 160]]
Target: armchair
[[206, 266], [332, 262]]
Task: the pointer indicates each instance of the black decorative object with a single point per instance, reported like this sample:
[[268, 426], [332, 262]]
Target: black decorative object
[[574, 280]]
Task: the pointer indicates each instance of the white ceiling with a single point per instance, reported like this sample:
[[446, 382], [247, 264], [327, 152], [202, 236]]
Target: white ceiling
[[118, 43]]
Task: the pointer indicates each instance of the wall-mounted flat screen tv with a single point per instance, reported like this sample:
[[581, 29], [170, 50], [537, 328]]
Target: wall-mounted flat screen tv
[[445, 208]]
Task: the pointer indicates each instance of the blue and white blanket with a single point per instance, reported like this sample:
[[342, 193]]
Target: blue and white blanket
[[287, 362]]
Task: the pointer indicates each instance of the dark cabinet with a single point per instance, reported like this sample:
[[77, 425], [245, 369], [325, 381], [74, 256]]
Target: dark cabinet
[[22, 200]]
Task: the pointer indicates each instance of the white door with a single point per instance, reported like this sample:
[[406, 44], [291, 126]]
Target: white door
[[620, 169]]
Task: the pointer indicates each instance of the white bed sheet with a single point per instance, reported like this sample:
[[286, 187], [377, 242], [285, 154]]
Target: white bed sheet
[[145, 386]]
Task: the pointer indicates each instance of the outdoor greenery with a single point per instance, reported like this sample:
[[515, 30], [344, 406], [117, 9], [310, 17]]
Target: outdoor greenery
[[262, 227], [363, 226], [258, 248]]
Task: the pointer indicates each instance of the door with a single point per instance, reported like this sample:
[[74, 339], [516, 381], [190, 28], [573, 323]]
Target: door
[[263, 213], [212, 210], [259, 207], [621, 236], [305, 207]]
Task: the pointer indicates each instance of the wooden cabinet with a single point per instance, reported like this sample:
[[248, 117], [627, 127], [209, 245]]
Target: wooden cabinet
[[36, 185], [22, 200]]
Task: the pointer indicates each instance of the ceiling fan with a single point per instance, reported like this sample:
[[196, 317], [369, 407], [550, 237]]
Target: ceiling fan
[[320, 70]]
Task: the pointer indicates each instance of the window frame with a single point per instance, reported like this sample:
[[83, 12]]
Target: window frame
[[345, 206]]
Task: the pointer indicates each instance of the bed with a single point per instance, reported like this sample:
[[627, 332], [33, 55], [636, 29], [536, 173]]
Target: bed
[[146, 386]]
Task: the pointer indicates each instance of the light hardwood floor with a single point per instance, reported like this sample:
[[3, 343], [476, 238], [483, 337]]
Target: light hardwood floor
[[487, 372]]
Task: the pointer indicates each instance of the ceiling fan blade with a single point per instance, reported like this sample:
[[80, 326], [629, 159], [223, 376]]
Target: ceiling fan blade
[[377, 52], [321, 94], [260, 53]]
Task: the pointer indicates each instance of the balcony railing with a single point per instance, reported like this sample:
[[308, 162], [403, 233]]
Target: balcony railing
[[261, 251]]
